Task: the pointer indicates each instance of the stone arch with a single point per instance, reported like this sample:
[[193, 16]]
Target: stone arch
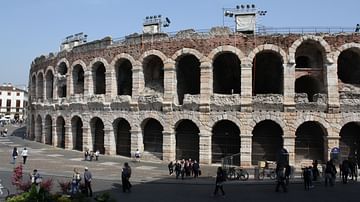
[[310, 85], [62, 71], [153, 69], [33, 86], [187, 140], [60, 131], [38, 129], [267, 141], [97, 127], [226, 48], [323, 123], [148, 53], [177, 119], [268, 70], [77, 132], [153, 137], [188, 51], [228, 117], [349, 142], [225, 141], [49, 82], [63, 60], [48, 129], [348, 63], [122, 69], [122, 133], [310, 142], [99, 67], [188, 73], [78, 77], [259, 118], [325, 47], [268, 47], [40, 85]]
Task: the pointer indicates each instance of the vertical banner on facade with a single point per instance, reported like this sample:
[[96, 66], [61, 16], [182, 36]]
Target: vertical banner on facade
[[245, 22]]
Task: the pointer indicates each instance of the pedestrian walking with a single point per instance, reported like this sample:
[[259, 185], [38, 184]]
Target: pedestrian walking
[[280, 177], [97, 153], [315, 171], [88, 179], [75, 182], [307, 175], [24, 154], [220, 179], [287, 174], [137, 155], [14, 155], [171, 167], [196, 169], [125, 177], [345, 170], [177, 169], [330, 173], [86, 155]]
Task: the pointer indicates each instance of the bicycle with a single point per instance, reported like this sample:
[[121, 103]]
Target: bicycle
[[4, 192], [267, 172], [237, 174]]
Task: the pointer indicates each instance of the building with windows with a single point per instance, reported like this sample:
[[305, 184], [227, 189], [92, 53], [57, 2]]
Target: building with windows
[[203, 96], [13, 102]]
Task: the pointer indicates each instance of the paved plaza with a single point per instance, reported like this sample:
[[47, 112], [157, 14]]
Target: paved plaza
[[151, 181]]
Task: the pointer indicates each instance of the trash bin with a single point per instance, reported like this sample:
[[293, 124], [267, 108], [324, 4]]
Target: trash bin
[[256, 173]]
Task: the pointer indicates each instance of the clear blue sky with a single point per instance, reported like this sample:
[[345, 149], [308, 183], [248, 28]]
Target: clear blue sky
[[30, 28]]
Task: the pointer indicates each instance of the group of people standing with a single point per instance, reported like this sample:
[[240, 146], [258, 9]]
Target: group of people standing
[[89, 155], [76, 179], [15, 154], [184, 168]]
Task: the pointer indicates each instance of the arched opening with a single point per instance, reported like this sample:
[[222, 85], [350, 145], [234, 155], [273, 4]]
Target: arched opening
[[187, 140], [302, 62], [49, 85], [122, 137], [350, 141], [310, 86], [349, 66], [153, 137], [48, 130], [123, 70], [60, 132], [62, 80], [227, 74], [32, 130], [188, 76], [268, 73], [267, 141], [154, 74], [40, 91], [38, 126], [309, 142], [98, 134], [99, 78], [225, 141], [33, 88], [77, 133], [78, 79]]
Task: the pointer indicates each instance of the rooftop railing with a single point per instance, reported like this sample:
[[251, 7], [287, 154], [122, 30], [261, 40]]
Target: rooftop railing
[[263, 31]]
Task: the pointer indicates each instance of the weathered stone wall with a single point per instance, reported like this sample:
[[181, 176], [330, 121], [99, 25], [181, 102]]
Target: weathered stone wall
[[289, 110]]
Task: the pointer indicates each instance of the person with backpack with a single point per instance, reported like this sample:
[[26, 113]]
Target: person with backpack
[[14, 155], [171, 168], [220, 179], [125, 176]]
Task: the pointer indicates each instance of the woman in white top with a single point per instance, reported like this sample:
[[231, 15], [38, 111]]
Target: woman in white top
[[24, 154]]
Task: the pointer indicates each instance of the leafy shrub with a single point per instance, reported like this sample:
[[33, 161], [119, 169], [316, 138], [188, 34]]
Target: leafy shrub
[[65, 186]]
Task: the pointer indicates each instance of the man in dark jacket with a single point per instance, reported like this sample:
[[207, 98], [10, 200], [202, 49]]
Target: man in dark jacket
[[88, 179], [125, 176]]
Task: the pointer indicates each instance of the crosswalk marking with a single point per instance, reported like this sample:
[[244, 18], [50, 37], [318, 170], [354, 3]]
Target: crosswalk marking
[[146, 167], [54, 155]]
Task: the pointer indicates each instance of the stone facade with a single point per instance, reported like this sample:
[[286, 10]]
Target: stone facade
[[118, 96]]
